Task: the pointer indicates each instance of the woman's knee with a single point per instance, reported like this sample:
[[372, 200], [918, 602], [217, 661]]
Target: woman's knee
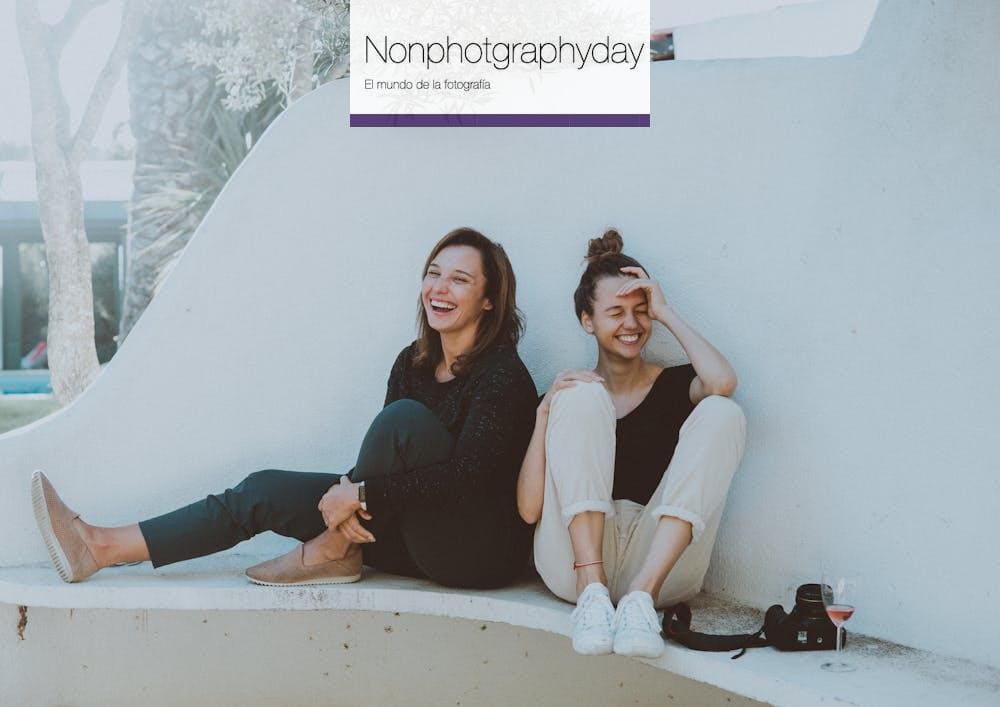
[[408, 418], [584, 400], [725, 411], [404, 434], [403, 419], [404, 412]]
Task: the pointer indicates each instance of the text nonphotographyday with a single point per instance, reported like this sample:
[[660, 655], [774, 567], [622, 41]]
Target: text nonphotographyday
[[503, 55]]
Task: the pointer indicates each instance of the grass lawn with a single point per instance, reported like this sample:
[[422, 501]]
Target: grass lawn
[[17, 411]]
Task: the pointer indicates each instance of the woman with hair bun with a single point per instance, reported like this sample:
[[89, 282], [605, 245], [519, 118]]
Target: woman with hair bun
[[629, 465], [432, 494]]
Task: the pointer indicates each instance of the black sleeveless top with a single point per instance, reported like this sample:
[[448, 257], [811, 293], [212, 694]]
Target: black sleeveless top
[[647, 436]]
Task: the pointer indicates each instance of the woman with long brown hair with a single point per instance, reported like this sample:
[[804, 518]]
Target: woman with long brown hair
[[433, 491], [629, 466]]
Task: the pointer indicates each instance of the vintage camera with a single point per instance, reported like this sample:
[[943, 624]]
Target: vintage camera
[[806, 628]]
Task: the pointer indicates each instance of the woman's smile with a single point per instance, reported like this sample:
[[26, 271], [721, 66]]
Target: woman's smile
[[442, 307], [629, 339]]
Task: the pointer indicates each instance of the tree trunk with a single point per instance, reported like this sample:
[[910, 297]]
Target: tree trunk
[[58, 152], [302, 73], [71, 349]]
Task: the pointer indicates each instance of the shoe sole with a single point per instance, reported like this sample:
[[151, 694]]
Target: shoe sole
[[598, 651], [639, 655], [654, 653], [338, 580], [45, 528]]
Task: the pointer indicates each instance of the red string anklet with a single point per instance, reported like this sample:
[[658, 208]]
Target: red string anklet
[[578, 565]]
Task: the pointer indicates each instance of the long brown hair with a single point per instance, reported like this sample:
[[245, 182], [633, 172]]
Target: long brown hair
[[503, 324], [604, 259]]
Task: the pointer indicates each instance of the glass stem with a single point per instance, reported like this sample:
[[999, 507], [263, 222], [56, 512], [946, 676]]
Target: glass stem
[[838, 641]]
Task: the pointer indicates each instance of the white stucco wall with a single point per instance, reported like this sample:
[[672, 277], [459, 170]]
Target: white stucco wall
[[819, 28], [830, 224], [344, 657]]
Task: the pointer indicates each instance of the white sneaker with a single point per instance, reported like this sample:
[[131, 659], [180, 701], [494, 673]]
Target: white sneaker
[[593, 616], [637, 627]]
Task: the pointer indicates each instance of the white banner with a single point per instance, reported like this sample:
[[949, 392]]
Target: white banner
[[500, 62]]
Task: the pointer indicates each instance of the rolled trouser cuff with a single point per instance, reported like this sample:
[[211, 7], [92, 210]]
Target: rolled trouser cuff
[[572, 511], [697, 524]]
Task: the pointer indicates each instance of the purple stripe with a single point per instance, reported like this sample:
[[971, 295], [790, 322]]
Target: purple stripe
[[496, 120]]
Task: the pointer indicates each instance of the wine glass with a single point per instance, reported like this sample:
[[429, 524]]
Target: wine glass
[[839, 598]]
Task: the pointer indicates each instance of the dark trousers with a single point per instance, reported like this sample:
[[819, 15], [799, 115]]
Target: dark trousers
[[478, 545]]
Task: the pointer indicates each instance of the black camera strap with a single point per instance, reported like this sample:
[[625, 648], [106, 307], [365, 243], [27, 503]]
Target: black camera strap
[[677, 628]]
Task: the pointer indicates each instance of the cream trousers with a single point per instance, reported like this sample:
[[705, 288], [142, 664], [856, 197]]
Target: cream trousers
[[579, 475]]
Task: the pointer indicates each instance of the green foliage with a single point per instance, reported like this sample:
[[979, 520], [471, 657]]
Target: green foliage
[[177, 194], [257, 47], [19, 410]]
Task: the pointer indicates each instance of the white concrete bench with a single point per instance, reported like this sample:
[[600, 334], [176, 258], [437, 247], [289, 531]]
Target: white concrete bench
[[888, 674]]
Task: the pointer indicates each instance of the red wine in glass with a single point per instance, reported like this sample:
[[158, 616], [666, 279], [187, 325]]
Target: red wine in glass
[[839, 613]]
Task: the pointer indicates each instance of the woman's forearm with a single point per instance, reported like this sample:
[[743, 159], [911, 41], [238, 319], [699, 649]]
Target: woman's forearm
[[716, 373], [531, 480]]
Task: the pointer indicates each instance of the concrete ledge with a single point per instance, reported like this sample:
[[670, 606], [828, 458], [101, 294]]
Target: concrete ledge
[[887, 673]]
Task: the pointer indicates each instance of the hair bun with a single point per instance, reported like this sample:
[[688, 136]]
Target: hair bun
[[609, 244]]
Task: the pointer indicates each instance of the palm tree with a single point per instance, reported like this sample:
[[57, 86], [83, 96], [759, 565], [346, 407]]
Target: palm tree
[[192, 123]]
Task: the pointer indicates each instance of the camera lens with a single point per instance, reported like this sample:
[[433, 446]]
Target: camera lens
[[809, 600]]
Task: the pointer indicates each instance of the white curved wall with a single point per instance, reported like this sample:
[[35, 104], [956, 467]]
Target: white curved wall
[[830, 224], [813, 28], [344, 657]]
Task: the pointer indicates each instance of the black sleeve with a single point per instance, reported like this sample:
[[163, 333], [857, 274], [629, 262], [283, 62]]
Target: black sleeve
[[496, 430], [394, 388]]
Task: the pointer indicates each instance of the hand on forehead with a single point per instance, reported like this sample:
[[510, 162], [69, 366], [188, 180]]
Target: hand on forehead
[[606, 291]]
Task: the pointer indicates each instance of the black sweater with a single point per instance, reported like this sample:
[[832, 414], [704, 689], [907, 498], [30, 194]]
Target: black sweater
[[490, 411]]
